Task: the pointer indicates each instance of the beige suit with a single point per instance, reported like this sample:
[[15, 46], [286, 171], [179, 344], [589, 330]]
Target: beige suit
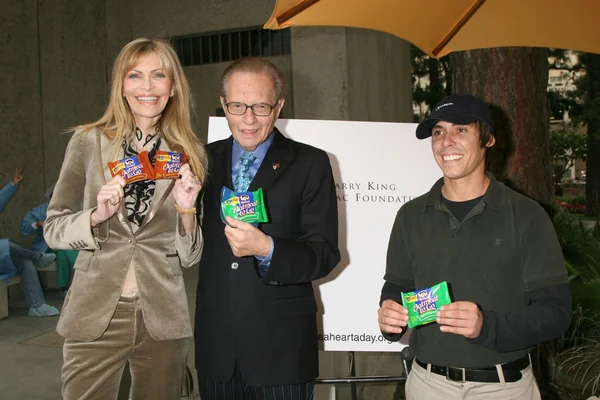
[[156, 251]]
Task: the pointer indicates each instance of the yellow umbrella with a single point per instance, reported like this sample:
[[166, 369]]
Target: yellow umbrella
[[439, 27]]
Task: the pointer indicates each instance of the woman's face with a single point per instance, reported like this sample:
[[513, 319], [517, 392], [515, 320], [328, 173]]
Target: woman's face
[[147, 88]]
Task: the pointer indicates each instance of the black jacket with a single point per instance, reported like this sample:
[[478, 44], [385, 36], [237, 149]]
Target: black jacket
[[267, 325]]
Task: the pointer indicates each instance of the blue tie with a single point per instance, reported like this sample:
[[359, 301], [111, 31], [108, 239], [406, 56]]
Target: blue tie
[[243, 178]]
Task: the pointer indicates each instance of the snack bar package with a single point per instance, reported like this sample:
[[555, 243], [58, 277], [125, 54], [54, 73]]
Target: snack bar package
[[133, 169], [167, 164], [424, 304], [245, 206]]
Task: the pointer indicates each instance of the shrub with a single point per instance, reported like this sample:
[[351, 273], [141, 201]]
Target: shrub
[[571, 199], [572, 204], [580, 245], [580, 359]]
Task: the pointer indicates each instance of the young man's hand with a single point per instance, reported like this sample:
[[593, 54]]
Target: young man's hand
[[461, 318], [393, 317]]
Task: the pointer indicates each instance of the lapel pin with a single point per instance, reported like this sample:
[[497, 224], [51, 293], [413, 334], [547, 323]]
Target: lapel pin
[[275, 166]]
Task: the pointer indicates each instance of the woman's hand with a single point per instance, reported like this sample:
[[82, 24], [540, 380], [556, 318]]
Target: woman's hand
[[109, 200], [186, 188]]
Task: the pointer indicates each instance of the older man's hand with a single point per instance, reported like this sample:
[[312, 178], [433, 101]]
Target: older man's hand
[[245, 239]]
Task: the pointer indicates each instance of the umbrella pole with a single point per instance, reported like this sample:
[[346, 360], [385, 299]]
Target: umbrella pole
[[297, 9], [450, 35]]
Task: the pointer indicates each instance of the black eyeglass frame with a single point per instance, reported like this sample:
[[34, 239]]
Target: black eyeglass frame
[[251, 107]]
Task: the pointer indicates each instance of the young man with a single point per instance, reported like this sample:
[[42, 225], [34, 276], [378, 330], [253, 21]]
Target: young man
[[499, 254], [256, 335]]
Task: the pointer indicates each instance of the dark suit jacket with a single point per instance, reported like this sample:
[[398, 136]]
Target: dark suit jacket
[[267, 325]]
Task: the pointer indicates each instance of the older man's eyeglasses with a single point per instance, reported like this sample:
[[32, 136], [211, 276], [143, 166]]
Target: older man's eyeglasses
[[258, 109]]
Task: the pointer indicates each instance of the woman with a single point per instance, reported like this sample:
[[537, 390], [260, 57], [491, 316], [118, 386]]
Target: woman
[[127, 301]]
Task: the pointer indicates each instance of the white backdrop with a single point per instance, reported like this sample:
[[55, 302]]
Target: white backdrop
[[377, 168]]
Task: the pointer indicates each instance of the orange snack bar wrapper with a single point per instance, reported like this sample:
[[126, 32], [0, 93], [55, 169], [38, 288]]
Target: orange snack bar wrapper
[[167, 164], [133, 169]]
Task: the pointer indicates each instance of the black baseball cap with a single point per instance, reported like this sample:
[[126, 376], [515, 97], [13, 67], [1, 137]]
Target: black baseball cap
[[461, 109]]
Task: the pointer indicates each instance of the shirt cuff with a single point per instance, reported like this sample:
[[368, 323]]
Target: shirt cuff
[[265, 262], [394, 337], [188, 244], [487, 334]]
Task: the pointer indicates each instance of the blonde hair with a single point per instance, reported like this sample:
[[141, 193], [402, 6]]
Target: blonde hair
[[255, 65], [174, 124]]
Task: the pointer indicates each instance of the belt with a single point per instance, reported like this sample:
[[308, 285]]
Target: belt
[[511, 370]]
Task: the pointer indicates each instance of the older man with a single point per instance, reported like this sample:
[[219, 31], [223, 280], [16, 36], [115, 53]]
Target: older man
[[255, 331]]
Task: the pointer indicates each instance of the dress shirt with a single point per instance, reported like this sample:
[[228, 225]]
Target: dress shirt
[[259, 153]]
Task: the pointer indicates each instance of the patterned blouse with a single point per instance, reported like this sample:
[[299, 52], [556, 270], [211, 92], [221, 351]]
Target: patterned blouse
[[138, 195]]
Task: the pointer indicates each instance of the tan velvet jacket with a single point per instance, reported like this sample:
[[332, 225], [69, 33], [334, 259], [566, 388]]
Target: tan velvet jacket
[[157, 250]]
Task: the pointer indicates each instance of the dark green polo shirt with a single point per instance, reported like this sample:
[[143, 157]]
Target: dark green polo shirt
[[504, 248]]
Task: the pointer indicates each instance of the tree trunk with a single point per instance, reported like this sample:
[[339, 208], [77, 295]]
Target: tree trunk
[[592, 180], [513, 81], [436, 89]]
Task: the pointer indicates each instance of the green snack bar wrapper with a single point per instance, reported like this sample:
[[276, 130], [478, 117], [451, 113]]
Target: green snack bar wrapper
[[245, 206], [424, 304]]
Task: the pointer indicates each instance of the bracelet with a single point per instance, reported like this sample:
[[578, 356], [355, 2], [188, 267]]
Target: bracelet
[[185, 210]]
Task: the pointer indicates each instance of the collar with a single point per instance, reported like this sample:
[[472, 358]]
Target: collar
[[133, 139], [493, 196], [259, 152]]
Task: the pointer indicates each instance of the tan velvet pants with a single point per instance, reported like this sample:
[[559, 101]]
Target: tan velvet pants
[[93, 370]]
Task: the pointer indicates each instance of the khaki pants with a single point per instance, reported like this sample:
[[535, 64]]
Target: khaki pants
[[93, 370], [422, 384]]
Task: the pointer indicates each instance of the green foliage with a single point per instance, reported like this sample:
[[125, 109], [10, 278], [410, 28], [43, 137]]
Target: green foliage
[[558, 364], [566, 146], [589, 112], [559, 104], [579, 359], [570, 101], [587, 295], [580, 247], [583, 107], [435, 72], [596, 230], [571, 199], [583, 364]]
